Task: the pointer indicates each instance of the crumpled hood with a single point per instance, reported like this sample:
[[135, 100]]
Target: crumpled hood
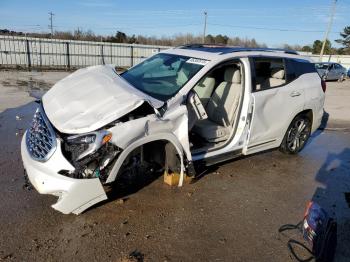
[[90, 98]]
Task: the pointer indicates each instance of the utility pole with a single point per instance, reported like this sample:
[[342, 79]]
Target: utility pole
[[205, 26], [51, 25], [328, 29]]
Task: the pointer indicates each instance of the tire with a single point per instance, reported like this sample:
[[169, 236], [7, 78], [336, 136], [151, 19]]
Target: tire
[[341, 78], [297, 135]]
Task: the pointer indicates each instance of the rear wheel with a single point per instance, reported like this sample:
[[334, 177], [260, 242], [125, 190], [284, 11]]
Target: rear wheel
[[297, 135]]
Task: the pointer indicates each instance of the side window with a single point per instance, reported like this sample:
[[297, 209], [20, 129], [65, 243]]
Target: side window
[[269, 73], [298, 67], [292, 70]]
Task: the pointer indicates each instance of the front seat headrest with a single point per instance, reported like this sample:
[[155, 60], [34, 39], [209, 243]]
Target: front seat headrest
[[232, 75]]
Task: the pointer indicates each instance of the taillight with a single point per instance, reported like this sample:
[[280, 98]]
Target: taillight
[[324, 86]]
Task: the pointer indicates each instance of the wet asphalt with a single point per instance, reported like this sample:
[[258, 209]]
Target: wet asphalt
[[232, 213]]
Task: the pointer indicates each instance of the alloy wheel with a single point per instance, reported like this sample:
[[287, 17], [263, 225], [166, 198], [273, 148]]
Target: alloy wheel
[[298, 134]]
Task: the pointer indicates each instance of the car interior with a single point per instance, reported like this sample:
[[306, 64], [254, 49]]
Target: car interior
[[269, 73], [219, 93]]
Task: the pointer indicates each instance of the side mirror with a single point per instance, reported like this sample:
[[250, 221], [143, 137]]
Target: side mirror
[[197, 106]]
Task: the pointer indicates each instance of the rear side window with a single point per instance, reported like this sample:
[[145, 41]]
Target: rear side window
[[269, 73], [298, 67]]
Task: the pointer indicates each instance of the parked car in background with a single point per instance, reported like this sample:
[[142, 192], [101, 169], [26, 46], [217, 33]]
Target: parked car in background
[[181, 108], [331, 71], [349, 73]]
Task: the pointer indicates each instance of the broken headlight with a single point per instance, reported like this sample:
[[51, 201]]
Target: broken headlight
[[90, 154], [90, 142], [84, 139]]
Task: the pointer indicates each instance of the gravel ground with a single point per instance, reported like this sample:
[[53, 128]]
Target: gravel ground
[[231, 214]]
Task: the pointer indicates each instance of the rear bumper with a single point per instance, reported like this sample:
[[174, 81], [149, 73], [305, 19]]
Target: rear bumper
[[74, 195]]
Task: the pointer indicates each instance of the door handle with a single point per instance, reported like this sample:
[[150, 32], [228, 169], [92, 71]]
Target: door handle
[[295, 93]]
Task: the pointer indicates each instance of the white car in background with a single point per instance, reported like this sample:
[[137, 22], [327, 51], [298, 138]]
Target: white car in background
[[181, 108]]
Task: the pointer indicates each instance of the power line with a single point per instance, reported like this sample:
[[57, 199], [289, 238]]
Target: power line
[[270, 29]]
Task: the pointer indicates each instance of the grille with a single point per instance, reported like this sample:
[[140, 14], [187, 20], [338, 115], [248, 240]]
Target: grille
[[40, 138]]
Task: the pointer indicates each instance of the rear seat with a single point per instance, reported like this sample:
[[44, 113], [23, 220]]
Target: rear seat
[[277, 78]]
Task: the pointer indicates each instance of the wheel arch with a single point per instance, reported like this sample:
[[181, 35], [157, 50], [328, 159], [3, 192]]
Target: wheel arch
[[307, 112], [166, 137]]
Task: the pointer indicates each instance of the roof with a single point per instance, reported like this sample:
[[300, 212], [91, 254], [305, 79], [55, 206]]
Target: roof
[[326, 63], [221, 49], [219, 52]]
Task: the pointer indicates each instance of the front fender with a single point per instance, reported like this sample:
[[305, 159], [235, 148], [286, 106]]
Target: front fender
[[144, 140]]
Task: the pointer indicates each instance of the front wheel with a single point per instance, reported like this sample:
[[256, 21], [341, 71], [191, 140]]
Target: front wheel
[[341, 78], [297, 135]]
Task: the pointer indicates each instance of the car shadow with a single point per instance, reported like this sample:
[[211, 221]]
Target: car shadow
[[334, 196], [126, 184], [321, 128]]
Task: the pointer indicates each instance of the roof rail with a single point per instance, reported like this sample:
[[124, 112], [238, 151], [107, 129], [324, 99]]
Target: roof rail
[[224, 49]]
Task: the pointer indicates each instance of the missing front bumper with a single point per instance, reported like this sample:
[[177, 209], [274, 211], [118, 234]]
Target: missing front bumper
[[74, 195]]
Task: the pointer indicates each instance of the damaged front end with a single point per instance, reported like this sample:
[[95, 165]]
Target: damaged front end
[[78, 143], [76, 167], [90, 154], [43, 159]]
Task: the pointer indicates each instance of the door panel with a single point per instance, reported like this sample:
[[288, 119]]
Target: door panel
[[273, 110]]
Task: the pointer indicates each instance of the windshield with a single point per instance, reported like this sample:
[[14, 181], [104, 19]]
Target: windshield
[[163, 75], [322, 66]]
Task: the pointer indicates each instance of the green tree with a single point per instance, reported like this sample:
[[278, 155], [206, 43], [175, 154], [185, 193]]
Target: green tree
[[209, 39], [306, 48], [317, 46], [120, 37], [221, 39], [345, 40]]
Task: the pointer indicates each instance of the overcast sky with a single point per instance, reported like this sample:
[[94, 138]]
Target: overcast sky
[[271, 22]]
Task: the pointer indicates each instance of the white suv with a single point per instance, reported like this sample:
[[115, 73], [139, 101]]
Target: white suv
[[181, 108]]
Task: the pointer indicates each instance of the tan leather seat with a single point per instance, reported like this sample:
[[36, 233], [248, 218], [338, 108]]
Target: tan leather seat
[[204, 89], [277, 78], [221, 108]]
